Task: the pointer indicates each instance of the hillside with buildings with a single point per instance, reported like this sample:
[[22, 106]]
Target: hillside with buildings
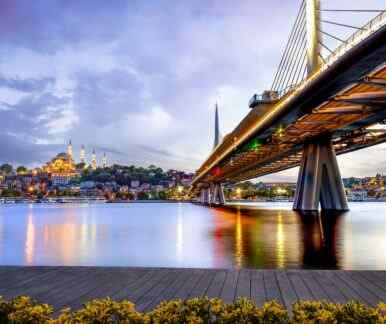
[[64, 177]]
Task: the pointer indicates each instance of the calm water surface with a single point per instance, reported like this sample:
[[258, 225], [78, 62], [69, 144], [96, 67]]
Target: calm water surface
[[261, 235]]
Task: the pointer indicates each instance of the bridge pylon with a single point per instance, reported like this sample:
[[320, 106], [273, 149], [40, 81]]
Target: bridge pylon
[[212, 195], [319, 179]]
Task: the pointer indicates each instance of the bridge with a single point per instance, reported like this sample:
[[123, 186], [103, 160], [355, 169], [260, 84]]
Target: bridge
[[318, 106]]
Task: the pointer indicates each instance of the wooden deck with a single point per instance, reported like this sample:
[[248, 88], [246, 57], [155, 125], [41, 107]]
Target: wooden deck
[[72, 286]]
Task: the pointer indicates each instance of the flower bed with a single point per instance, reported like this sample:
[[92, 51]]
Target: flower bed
[[197, 310]]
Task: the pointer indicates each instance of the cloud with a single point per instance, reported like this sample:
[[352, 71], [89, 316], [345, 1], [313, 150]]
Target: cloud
[[137, 79]]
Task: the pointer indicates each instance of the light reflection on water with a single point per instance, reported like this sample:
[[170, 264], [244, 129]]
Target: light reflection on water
[[262, 235]]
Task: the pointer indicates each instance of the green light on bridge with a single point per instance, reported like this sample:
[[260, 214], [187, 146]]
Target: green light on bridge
[[254, 145]]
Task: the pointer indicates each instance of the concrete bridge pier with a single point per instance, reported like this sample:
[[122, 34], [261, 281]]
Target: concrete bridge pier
[[218, 197], [213, 195], [319, 179]]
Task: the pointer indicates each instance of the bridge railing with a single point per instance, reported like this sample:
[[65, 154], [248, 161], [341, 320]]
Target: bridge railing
[[372, 26], [368, 29]]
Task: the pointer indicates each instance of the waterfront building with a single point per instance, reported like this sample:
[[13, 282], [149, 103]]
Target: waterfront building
[[356, 195], [93, 160], [134, 183], [61, 168]]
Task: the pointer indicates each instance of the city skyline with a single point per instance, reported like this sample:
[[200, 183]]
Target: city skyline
[[142, 104]]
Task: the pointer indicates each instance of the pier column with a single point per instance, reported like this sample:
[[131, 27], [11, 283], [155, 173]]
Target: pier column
[[202, 196], [319, 179], [217, 194]]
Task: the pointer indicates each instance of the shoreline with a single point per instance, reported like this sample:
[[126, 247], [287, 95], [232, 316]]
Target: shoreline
[[11, 201]]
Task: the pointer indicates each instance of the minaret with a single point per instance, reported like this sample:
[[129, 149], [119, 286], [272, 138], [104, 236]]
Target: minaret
[[93, 160], [104, 160], [217, 136], [69, 150], [82, 154]]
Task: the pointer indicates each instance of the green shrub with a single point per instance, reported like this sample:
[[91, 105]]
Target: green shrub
[[350, 313], [103, 311], [24, 310]]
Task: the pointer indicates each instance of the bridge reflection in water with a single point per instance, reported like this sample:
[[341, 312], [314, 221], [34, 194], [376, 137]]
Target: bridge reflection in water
[[277, 238]]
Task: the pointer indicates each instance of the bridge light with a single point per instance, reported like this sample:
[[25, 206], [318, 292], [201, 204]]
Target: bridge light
[[216, 171], [255, 145], [279, 131], [281, 191]]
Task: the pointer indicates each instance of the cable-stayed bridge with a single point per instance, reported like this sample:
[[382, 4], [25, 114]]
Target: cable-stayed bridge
[[318, 106]]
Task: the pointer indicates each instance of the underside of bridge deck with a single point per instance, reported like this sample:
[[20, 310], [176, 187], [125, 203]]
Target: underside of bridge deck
[[333, 111]]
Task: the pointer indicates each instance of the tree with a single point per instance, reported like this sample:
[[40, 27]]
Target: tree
[[6, 168], [10, 193], [142, 195], [21, 169], [162, 195]]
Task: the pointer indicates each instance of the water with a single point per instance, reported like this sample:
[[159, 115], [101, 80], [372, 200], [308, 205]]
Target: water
[[261, 235]]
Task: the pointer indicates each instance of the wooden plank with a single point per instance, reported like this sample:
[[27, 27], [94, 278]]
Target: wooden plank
[[243, 288], [378, 277], [129, 287], [368, 285], [105, 285], [366, 295], [257, 288], [272, 290], [35, 284], [67, 281], [287, 291], [345, 287], [72, 286], [202, 286], [301, 290], [188, 286], [83, 284], [18, 280], [146, 286], [79, 294], [146, 299], [314, 286], [378, 286], [331, 290], [229, 289], [216, 286], [11, 275], [170, 292]]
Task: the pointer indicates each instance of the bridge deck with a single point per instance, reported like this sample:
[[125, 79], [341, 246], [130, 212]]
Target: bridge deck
[[72, 286]]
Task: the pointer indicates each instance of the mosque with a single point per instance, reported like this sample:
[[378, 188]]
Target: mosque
[[62, 168]]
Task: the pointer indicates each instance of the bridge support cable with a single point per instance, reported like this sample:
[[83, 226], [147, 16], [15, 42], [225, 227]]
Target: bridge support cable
[[341, 25], [325, 47], [353, 10], [332, 36], [289, 44], [291, 52], [319, 179], [297, 56]]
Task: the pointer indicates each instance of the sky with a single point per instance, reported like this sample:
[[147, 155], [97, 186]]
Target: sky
[[139, 79]]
